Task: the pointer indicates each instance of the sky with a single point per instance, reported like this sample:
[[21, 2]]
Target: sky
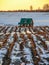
[[21, 4]]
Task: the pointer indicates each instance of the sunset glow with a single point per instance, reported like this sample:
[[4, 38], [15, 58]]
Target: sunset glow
[[21, 4]]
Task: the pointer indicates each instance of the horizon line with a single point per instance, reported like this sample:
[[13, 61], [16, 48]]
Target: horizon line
[[23, 10]]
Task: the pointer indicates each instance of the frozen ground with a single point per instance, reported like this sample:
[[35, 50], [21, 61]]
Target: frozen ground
[[40, 18], [24, 45]]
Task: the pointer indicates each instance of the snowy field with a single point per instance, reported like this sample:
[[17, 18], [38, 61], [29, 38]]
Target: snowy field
[[24, 45], [39, 18]]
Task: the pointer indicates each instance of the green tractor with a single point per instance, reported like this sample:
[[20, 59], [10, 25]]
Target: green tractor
[[26, 22]]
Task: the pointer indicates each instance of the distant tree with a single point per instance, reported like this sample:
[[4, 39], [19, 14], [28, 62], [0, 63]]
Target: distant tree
[[39, 8], [46, 7], [31, 8]]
